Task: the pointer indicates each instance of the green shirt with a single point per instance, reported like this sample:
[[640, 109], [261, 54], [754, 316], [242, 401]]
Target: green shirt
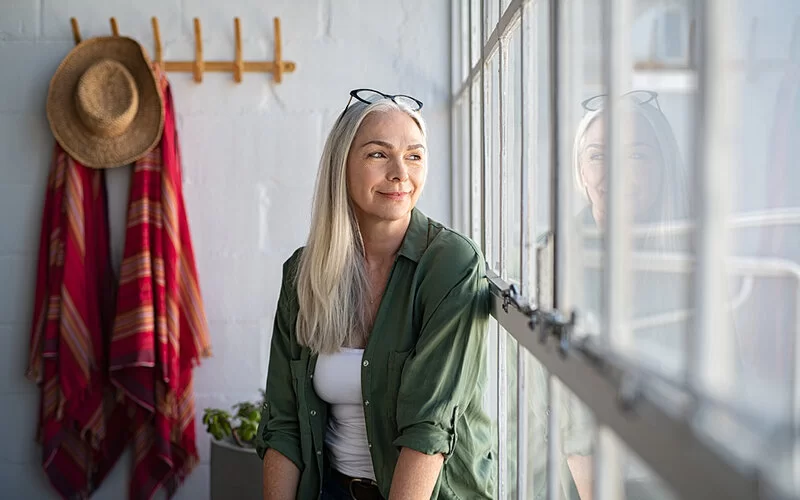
[[423, 372]]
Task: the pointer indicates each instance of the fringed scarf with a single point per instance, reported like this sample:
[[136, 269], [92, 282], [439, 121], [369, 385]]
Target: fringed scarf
[[113, 356]]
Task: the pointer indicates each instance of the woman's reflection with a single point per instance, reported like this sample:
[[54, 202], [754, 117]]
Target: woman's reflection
[[656, 187], [657, 179]]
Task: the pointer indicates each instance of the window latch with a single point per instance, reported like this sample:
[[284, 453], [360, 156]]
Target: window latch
[[554, 323], [548, 322]]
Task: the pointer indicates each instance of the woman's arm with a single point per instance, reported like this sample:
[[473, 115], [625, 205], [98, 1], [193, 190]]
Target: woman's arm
[[581, 469], [415, 475], [281, 477]]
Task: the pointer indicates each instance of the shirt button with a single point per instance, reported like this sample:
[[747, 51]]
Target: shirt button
[[313, 412], [366, 403], [366, 362], [370, 445], [320, 453]]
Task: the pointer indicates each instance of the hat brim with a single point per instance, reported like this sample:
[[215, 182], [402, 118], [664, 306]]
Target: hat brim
[[144, 131]]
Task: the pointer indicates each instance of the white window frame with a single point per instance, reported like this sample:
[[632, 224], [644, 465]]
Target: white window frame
[[661, 431]]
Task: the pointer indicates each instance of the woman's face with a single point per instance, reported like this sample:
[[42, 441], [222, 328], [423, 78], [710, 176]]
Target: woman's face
[[386, 166], [642, 154]]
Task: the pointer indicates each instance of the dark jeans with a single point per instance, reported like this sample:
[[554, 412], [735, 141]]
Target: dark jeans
[[331, 490]]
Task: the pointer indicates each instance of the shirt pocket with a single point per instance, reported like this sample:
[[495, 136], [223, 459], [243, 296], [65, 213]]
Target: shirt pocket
[[397, 360]]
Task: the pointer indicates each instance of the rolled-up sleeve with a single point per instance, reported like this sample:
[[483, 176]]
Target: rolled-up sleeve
[[279, 426], [445, 371]]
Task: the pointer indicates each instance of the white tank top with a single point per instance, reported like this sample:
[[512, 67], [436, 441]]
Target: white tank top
[[337, 380]]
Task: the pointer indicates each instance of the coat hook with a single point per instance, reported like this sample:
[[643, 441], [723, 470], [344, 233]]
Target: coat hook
[[278, 63], [76, 31], [114, 28], [157, 39], [198, 52], [238, 65]]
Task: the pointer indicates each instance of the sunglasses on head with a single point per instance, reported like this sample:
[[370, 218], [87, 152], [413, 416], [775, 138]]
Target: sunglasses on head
[[369, 96]]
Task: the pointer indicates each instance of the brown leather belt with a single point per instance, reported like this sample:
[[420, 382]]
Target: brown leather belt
[[359, 488]]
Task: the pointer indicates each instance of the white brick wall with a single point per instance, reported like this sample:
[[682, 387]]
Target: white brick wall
[[250, 153]]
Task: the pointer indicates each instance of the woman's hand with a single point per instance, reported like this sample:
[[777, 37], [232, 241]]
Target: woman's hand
[[415, 475]]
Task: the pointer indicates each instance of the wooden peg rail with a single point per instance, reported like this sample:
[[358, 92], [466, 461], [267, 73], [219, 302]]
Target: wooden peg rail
[[199, 66]]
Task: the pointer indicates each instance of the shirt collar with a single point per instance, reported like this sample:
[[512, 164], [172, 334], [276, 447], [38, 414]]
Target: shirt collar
[[415, 241]]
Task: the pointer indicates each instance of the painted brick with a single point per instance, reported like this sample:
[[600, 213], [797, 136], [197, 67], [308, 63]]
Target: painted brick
[[195, 487], [24, 89], [25, 481], [19, 441], [27, 145], [250, 152], [17, 274], [233, 343], [234, 286], [22, 204], [14, 348], [20, 20], [133, 19]]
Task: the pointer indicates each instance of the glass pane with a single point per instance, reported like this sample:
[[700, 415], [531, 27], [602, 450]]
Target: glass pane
[[763, 98], [536, 160], [460, 167], [463, 7], [491, 397], [491, 15], [464, 164], [504, 5], [655, 122], [492, 166], [455, 47], [577, 426], [476, 165], [513, 162], [512, 427], [582, 78], [475, 31], [639, 482], [537, 396]]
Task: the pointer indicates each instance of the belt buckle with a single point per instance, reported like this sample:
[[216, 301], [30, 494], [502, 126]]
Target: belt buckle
[[359, 481]]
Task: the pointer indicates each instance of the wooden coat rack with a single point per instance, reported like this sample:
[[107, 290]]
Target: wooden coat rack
[[197, 67]]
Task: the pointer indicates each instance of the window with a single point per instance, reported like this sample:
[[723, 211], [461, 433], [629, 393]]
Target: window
[[626, 167]]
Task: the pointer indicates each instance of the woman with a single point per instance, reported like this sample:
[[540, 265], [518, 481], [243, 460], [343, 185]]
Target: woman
[[377, 372]]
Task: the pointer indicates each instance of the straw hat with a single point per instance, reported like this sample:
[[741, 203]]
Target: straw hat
[[104, 104]]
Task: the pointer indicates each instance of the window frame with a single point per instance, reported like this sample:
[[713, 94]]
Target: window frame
[[660, 430]]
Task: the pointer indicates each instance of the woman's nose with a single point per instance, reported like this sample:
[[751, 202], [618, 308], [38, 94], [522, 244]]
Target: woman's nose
[[398, 170]]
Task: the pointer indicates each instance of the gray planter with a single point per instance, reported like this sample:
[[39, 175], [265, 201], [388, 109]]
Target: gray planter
[[236, 472]]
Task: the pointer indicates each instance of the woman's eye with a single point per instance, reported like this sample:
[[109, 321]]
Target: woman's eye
[[637, 156], [376, 154], [414, 157], [596, 157]]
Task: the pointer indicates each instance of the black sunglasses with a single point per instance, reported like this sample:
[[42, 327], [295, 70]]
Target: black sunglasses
[[369, 96], [639, 97]]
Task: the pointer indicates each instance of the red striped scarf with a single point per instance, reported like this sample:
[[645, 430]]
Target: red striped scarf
[[113, 359]]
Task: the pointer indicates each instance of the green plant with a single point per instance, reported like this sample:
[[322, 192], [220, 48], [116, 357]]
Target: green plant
[[242, 425]]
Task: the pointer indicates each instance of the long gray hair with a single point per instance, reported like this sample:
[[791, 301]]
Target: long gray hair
[[332, 281]]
